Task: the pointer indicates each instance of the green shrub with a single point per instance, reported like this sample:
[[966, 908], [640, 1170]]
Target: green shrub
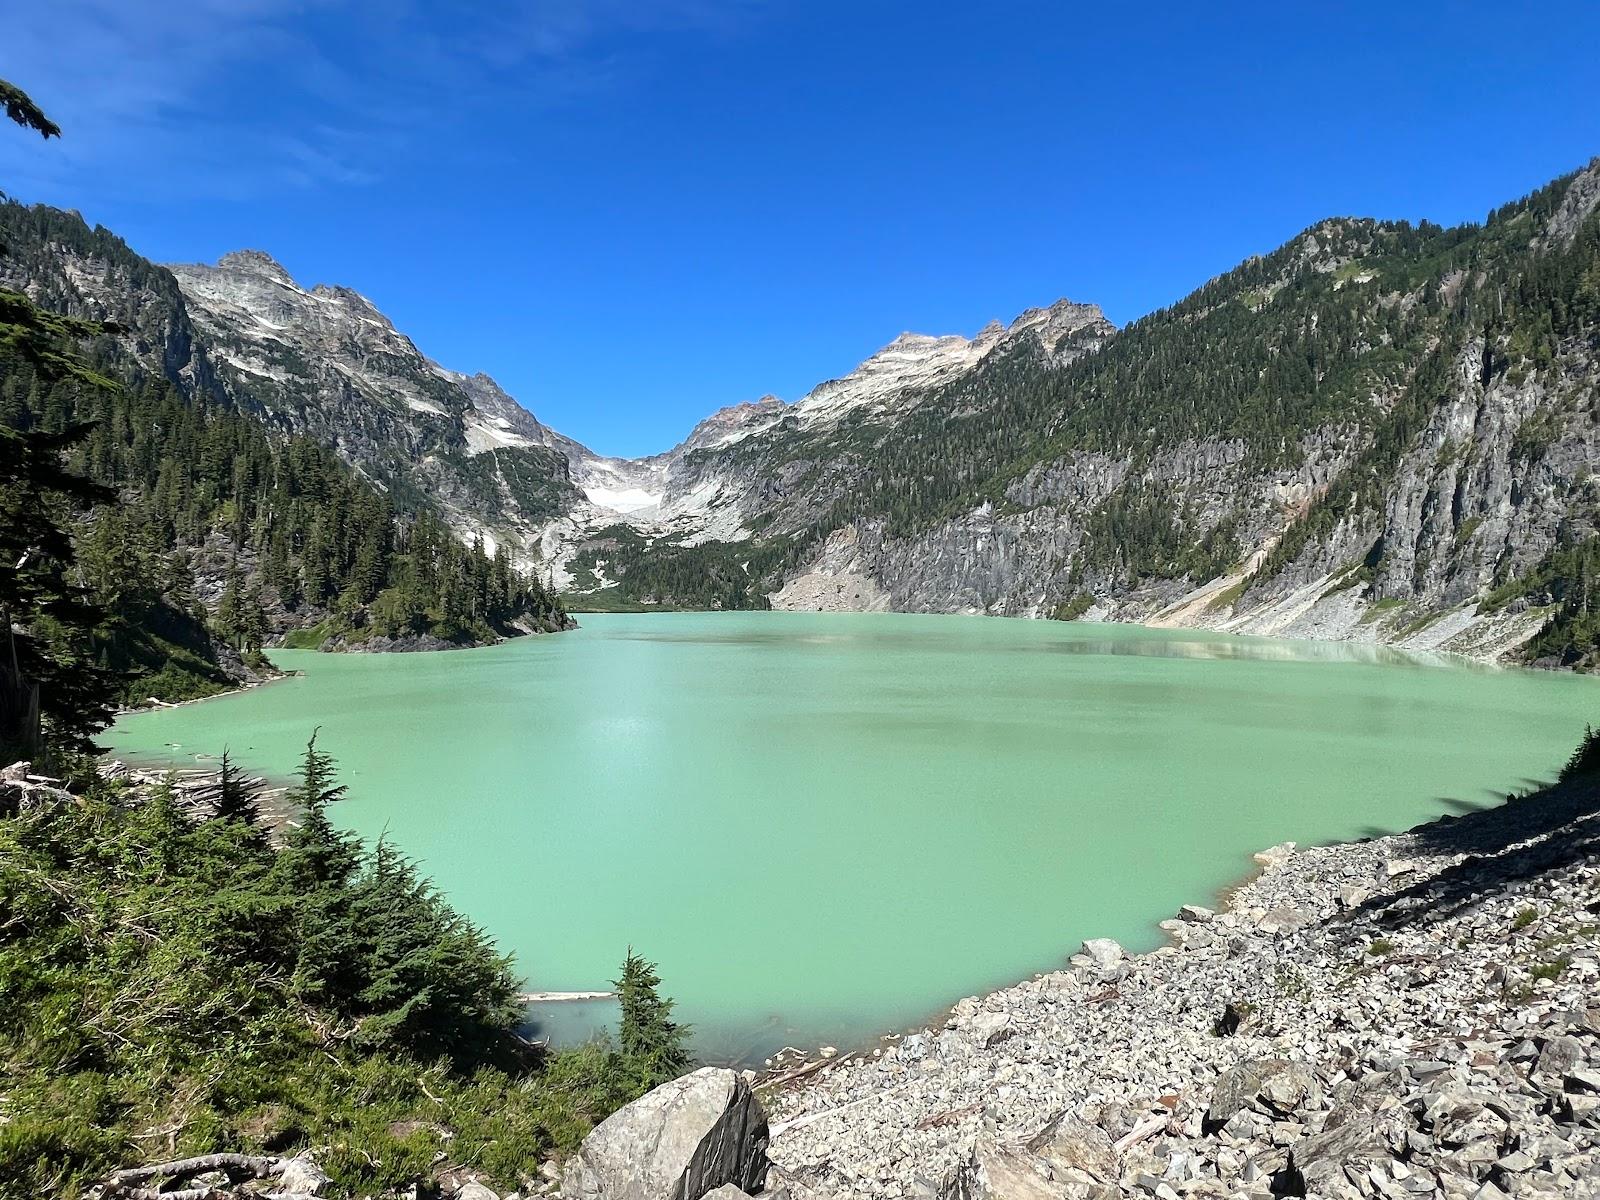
[[1071, 610], [1552, 969], [1585, 759]]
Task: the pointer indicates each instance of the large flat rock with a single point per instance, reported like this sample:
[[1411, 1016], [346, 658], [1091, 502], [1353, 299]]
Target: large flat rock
[[678, 1142]]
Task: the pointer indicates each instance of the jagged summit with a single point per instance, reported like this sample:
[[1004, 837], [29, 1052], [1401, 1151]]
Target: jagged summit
[[256, 262], [1061, 320], [913, 363]]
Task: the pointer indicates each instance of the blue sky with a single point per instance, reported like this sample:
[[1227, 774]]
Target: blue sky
[[631, 212]]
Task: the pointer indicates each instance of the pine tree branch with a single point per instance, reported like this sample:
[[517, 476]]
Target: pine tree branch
[[25, 112]]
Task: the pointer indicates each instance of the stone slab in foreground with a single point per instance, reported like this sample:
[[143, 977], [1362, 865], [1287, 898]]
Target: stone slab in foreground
[[679, 1142]]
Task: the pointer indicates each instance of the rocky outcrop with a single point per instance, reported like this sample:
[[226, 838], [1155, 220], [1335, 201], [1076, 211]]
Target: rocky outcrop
[[1428, 1029], [702, 1132]]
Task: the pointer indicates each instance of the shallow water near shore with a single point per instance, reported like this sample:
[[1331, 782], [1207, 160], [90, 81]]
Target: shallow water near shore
[[825, 826]]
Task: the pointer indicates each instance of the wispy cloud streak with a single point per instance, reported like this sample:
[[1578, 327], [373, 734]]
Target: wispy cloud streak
[[237, 98]]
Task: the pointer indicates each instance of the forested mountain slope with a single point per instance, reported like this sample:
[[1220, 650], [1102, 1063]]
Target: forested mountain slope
[[234, 529]]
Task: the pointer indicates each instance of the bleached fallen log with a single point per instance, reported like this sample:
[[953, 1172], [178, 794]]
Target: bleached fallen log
[[559, 997], [810, 1068], [299, 1179], [260, 1166], [1143, 1131]]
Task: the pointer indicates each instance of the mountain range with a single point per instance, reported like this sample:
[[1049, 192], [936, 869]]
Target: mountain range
[[1380, 431]]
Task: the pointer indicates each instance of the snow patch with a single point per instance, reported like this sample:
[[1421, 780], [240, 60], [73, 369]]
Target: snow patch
[[494, 433], [623, 500]]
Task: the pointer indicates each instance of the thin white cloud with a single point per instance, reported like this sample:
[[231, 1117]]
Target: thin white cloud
[[151, 94]]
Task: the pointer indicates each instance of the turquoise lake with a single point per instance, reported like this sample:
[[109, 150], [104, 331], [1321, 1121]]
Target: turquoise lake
[[826, 826]]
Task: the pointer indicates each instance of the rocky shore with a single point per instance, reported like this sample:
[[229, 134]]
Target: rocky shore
[[1412, 1016]]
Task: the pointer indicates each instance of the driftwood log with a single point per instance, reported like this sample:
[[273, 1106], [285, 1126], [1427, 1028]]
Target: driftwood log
[[154, 1181], [21, 789]]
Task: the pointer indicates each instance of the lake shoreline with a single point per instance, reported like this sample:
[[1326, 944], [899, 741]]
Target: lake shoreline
[[1444, 957], [415, 646], [794, 1063]]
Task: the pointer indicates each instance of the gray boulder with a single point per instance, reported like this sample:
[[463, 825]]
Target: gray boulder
[[303, 1177], [1282, 920], [1008, 1171], [987, 1028], [1559, 1056], [1273, 1083], [1074, 1149], [678, 1142], [1356, 1137], [1103, 953]]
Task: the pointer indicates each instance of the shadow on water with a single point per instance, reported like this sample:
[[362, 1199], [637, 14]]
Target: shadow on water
[[1454, 807], [566, 1023], [1526, 836]]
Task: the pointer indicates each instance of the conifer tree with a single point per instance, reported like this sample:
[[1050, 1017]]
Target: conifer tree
[[236, 795], [317, 865], [320, 854], [651, 1042], [25, 112]]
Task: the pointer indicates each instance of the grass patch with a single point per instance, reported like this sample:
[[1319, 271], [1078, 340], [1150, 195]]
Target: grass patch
[[309, 638], [1553, 969], [1357, 574], [1071, 610], [1380, 609], [1418, 625], [1289, 983], [1380, 947], [1228, 596], [1524, 918]]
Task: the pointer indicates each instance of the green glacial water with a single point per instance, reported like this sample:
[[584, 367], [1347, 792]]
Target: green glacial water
[[825, 826]]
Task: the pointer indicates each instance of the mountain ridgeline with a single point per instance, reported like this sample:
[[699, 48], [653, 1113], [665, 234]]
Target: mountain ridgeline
[[235, 527], [1381, 431]]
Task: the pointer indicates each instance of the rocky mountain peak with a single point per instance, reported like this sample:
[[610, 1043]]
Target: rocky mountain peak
[[255, 262], [1060, 321], [734, 423], [914, 342], [992, 332]]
